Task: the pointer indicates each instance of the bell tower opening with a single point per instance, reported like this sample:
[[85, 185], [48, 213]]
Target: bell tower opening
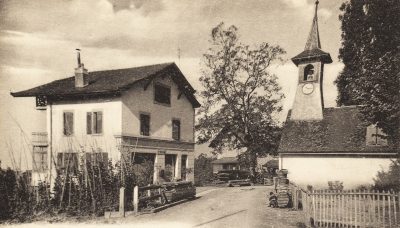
[[308, 73]]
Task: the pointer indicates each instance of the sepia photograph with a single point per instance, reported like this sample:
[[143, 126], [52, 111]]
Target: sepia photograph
[[206, 113]]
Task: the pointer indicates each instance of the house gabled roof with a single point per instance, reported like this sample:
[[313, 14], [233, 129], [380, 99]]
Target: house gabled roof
[[341, 130], [226, 160], [112, 81]]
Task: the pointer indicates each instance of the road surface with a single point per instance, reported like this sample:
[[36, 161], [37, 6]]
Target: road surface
[[220, 207]]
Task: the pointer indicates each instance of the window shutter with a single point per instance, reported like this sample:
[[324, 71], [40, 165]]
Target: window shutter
[[99, 122], [68, 123], [65, 123], [89, 123], [176, 129], [60, 160], [105, 159], [144, 124]]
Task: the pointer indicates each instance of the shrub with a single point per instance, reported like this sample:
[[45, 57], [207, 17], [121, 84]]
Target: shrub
[[203, 170], [389, 180]]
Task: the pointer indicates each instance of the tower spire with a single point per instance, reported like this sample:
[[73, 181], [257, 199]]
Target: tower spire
[[313, 41]]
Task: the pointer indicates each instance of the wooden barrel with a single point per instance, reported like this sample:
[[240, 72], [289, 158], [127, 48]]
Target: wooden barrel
[[282, 173], [283, 199], [283, 181]]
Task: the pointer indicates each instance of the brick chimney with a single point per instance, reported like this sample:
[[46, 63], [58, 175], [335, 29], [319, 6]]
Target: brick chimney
[[81, 74]]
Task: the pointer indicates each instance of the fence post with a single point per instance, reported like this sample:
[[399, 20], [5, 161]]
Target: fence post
[[394, 207], [379, 207], [384, 208], [398, 201], [314, 206], [136, 199], [122, 201]]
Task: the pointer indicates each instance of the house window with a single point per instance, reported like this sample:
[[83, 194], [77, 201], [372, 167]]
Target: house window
[[162, 94], [308, 73], [145, 124], [41, 102], [67, 162], [68, 119], [375, 136], [40, 158], [176, 129], [97, 158], [94, 122]]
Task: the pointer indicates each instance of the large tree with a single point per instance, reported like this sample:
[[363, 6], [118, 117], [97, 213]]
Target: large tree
[[241, 97], [371, 55]]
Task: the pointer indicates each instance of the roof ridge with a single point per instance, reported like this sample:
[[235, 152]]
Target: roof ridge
[[130, 68]]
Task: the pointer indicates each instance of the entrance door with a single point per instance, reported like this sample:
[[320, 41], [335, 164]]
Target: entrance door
[[183, 167], [170, 161]]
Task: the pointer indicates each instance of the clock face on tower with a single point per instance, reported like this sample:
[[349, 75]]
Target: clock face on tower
[[308, 88]]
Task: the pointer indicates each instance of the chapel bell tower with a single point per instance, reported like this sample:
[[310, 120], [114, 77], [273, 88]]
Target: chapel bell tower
[[309, 99]]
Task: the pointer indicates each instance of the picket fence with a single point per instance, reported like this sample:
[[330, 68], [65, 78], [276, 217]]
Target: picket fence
[[324, 208]]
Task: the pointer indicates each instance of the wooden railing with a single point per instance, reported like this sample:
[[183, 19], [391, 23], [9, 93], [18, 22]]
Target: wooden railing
[[351, 208], [39, 138]]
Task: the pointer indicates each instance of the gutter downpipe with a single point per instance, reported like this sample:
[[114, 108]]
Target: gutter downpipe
[[50, 147]]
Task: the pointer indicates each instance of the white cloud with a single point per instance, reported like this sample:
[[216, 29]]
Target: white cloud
[[296, 3], [307, 8]]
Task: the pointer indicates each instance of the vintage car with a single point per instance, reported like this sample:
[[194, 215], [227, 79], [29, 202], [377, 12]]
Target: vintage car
[[234, 177]]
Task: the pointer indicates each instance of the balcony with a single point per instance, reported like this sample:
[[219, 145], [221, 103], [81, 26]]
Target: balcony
[[39, 139]]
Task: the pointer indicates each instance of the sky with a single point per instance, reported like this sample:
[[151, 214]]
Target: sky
[[38, 41]]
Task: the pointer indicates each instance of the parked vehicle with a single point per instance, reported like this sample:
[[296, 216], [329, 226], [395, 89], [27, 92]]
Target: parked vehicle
[[226, 175]]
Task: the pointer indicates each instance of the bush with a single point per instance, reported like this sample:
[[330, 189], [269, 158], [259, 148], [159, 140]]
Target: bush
[[93, 189], [18, 200], [389, 180], [203, 170]]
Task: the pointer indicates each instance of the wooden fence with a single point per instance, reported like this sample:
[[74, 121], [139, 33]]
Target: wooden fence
[[350, 208]]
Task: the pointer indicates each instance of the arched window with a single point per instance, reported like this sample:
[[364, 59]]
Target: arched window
[[309, 73]]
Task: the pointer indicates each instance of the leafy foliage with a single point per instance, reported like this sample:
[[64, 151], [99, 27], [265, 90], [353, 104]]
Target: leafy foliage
[[389, 180], [241, 97], [18, 200], [203, 170], [91, 190], [371, 55]]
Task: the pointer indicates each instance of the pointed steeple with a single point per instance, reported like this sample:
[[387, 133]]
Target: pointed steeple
[[313, 38], [312, 50]]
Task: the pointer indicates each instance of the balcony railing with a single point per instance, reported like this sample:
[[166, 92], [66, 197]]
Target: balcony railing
[[39, 139]]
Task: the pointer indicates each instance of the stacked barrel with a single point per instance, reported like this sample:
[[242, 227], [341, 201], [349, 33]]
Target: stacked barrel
[[282, 188]]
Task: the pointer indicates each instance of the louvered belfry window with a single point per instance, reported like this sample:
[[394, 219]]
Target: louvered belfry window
[[94, 122], [68, 119]]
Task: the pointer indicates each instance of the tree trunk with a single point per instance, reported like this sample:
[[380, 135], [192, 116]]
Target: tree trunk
[[253, 164]]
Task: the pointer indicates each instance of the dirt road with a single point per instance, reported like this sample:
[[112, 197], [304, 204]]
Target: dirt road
[[220, 207]]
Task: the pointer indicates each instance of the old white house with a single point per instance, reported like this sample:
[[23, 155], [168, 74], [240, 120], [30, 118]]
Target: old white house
[[129, 114], [321, 144]]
